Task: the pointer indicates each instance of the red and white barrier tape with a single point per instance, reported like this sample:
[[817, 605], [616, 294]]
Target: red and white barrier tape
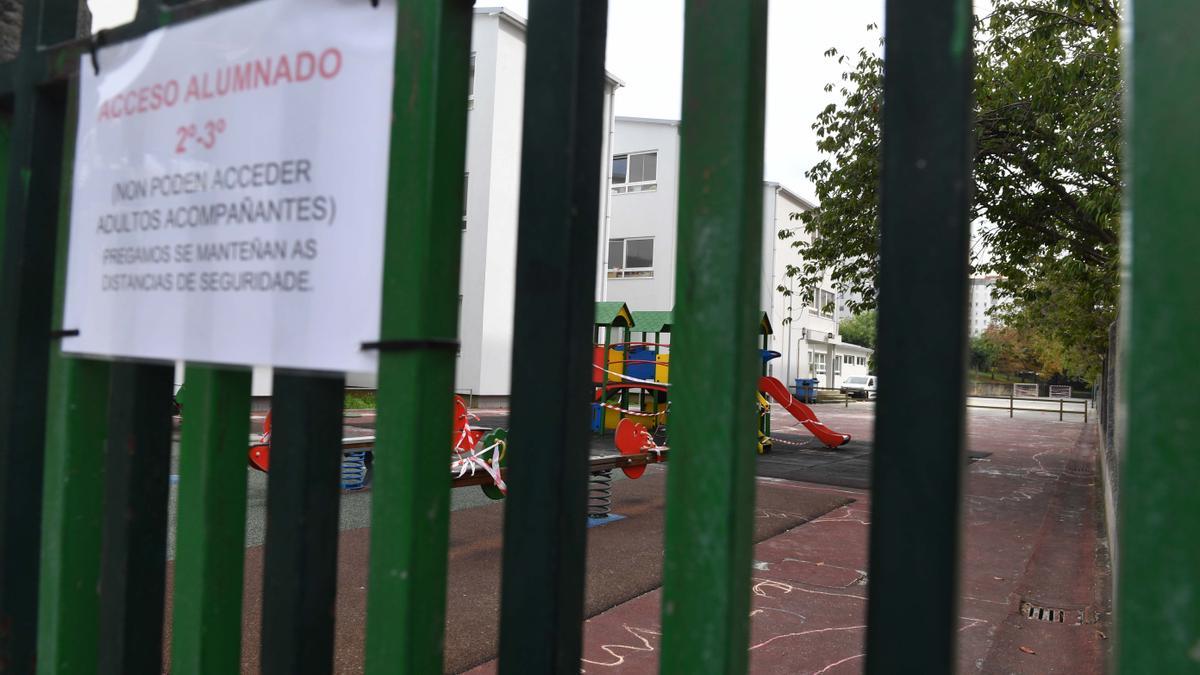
[[633, 413], [623, 376]]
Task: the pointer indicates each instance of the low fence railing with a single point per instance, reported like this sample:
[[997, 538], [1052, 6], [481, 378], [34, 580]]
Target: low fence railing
[[1061, 409]]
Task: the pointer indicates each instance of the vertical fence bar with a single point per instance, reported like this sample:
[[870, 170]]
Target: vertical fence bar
[[137, 474], [1158, 599], [926, 174], [137, 468], [69, 601], [26, 296], [544, 521], [211, 525], [410, 500], [710, 485], [303, 496], [6, 131], [76, 433]]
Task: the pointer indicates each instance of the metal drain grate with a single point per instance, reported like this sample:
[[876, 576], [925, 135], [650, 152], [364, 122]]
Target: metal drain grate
[[1070, 617]]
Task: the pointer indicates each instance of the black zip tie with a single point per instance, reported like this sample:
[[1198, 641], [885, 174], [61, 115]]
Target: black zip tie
[[59, 334], [98, 40], [411, 345]]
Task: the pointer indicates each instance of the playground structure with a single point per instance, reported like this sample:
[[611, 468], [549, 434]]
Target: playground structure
[[631, 398], [632, 377]]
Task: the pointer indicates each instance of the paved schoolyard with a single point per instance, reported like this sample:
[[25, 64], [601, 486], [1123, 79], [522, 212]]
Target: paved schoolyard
[[1033, 539]]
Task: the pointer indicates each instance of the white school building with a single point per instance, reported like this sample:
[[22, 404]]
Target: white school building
[[640, 255], [637, 220], [491, 178]]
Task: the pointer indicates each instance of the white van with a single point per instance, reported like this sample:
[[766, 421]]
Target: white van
[[859, 386]]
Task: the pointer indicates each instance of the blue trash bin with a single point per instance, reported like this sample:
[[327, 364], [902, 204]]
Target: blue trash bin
[[597, 417], [806, 389]]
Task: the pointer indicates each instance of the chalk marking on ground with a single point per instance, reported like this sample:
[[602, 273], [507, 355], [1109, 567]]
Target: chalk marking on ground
[[639, 633], [802, 633], [838, 663]]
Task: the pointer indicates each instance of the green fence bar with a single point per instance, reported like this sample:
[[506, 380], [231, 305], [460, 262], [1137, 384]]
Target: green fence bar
[[542, 580], [1158, 592], [76, 433], [303, 496], [410, 499], [210, 547], [5, 144], [137, 466], [710, 481], [69, 601], [926, 176], [26, 284]]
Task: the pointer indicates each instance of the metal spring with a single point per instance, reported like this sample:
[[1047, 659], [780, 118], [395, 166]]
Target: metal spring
[[354, 470], [600, 494]]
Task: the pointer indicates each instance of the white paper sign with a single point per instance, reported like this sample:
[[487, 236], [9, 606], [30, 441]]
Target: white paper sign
[[230, 189]]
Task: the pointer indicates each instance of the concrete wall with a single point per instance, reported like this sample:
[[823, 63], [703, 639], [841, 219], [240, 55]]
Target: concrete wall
[[489, 278]]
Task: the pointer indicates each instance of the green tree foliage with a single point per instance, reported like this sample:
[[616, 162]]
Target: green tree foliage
[[859, 329], [1047, 172], [983, 353], [1011, 351]]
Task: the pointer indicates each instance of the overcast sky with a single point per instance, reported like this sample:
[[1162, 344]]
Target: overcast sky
[[645, 43]]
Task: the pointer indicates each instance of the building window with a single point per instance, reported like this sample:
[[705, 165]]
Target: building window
[[837, 365], [816, 363], [635, 172], [471, 85], [822, 303], [630, 258], [466, 183]]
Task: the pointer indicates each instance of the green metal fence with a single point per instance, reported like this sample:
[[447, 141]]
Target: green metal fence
[[85, 445]]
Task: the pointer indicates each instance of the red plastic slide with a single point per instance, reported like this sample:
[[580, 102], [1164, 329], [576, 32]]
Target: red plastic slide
[[779, 391]]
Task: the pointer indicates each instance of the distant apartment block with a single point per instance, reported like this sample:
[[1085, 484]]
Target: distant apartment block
[[983, 298]]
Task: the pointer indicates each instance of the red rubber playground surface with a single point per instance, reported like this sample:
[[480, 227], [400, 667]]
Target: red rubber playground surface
[[1032, 515], [624, 562], [1033, 538]]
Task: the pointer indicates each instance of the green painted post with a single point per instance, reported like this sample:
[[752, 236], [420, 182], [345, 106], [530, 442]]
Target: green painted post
[[608, 339], [766, 423], [211, 522], [5, 144], [76, 432], [137, 467], [26, 296], [912, 612], [1158, 570], [407, 577], [303, 497], [545, 540], [710, 487]]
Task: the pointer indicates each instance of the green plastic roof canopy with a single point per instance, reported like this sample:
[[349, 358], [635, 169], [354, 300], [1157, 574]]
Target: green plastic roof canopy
[[613, 314], [653, 321]]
